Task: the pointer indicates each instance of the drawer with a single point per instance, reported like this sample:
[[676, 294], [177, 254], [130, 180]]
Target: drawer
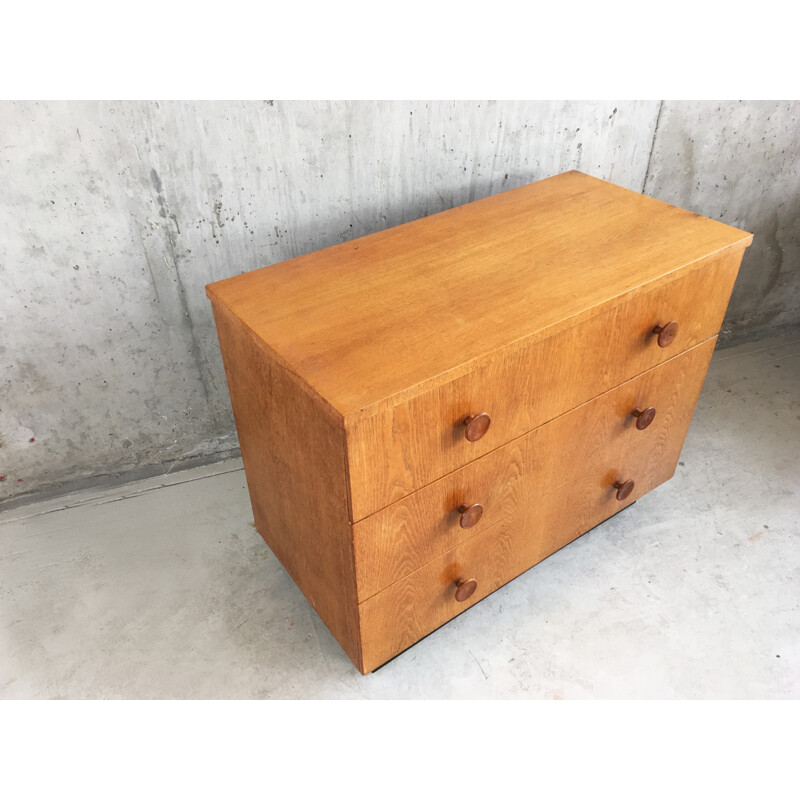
[[562, 483], [411, 608], [410, 445]]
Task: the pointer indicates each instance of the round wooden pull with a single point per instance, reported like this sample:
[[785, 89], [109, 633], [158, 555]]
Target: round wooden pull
[[644, 418], [623, 489], [470, 515], [666, 333], [477, 425], [465, 589]]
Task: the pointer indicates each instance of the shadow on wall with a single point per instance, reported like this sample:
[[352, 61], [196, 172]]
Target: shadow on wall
[[767, 295]]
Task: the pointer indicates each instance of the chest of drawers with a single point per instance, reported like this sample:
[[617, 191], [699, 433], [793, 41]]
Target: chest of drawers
[[429, 411]]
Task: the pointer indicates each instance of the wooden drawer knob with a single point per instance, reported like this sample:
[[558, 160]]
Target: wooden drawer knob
[[666, 333], [470, 515], [643, 418], [623, 489], [477, 425], [465, 589]]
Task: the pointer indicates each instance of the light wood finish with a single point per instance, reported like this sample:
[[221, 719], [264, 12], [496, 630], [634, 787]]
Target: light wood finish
[[294, 461], [411, 532], [598, 444], [409, 447], [411, 608], [573, 463]]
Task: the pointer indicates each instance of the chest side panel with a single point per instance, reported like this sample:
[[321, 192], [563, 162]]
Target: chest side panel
[[294, 460]]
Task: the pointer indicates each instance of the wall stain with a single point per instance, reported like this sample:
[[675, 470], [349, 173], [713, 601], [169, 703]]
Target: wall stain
[[218, 213], [770, 244]]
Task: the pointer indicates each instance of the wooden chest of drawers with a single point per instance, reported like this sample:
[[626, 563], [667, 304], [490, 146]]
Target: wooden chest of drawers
[[427, 412]]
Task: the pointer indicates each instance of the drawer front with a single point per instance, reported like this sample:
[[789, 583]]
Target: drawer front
[[407, 447], [564, 484]]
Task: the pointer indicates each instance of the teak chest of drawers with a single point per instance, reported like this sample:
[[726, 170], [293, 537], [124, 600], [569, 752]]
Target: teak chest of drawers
[[427, 412]]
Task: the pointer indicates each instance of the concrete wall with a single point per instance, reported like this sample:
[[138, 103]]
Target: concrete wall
[[740, 163], [115, 215]]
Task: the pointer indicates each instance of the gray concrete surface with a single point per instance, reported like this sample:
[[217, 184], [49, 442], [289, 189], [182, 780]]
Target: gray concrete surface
[[114, 216], [740, 163], [165, 590]]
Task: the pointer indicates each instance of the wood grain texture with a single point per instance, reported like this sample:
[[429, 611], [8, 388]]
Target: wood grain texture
[[412, 607], [566, 487], [598, 444], [412, 444], [401, 538], [406, 454], [294, 460], [375, 321]]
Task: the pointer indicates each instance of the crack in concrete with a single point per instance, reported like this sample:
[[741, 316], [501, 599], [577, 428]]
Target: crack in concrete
[[652, 146], [172, 251], [149, 264]]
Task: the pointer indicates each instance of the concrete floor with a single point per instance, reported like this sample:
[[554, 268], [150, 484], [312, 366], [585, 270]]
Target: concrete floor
[[163, 589]]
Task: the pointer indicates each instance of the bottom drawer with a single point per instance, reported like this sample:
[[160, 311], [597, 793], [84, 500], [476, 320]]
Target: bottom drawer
[[575, 474]]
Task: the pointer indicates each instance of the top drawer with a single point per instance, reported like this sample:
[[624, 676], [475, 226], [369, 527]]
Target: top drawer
[[403, 448]]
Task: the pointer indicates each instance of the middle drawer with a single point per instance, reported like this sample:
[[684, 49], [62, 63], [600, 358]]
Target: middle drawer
[[524, 476]]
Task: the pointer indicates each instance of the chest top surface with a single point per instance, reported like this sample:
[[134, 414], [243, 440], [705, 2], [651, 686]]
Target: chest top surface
[[386, 314]]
